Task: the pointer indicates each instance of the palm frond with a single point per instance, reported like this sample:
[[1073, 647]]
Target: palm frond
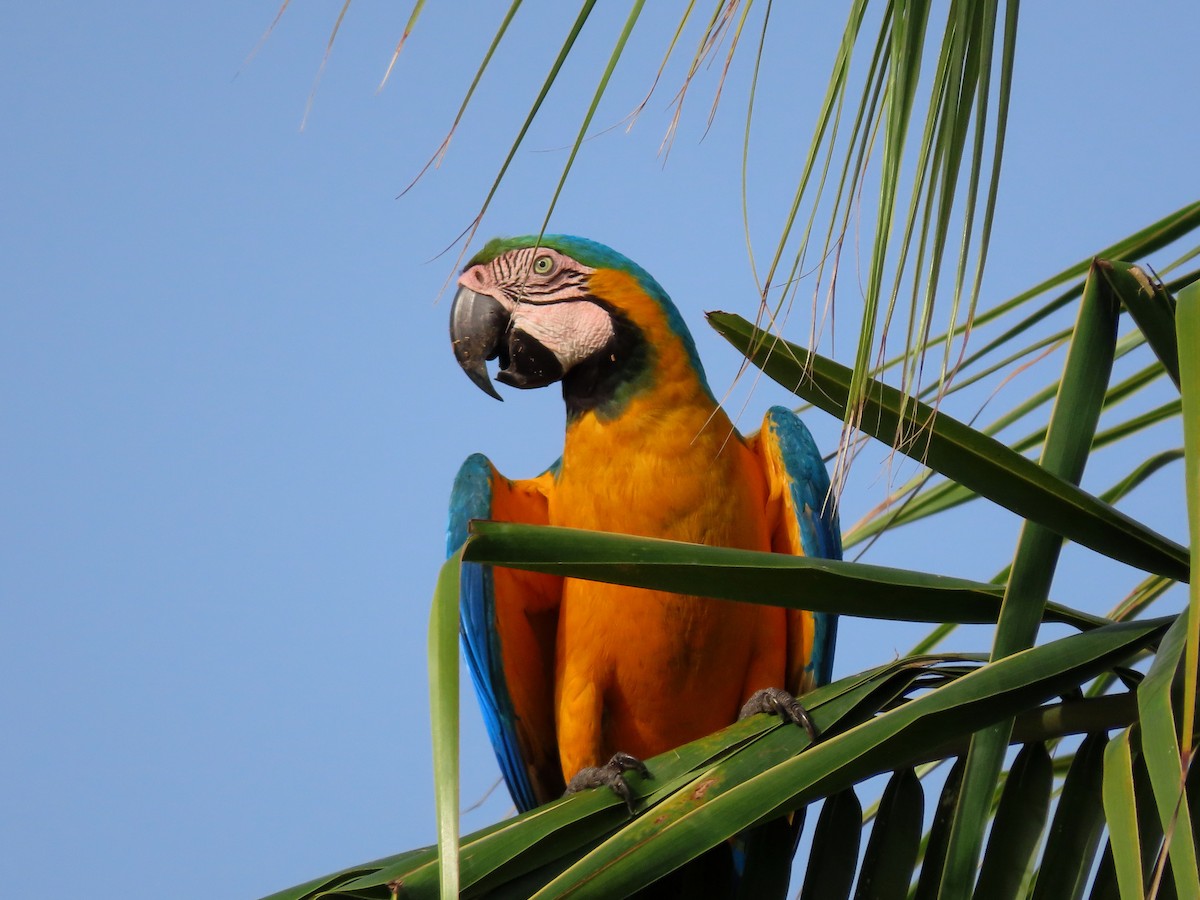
[[876, 722]]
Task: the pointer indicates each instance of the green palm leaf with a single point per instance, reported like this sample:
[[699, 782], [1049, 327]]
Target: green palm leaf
[[875, 722], [749, 576], [958, 452]]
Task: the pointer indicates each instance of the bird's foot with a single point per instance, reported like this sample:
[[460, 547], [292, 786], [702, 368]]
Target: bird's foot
[[780, 702], [609, 775]]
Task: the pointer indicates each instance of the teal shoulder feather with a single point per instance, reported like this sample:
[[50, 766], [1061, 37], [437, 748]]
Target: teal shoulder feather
[[471, 498], [816, 514]]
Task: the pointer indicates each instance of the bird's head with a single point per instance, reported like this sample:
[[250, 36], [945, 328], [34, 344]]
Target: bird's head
[[567, 309]]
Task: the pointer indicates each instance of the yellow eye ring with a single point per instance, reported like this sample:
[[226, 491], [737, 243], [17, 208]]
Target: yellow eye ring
[[543, 265]]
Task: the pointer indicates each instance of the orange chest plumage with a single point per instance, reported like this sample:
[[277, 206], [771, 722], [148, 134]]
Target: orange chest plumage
[[644, 671], [678, 472]]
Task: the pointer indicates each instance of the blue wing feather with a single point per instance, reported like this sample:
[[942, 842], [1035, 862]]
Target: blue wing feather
[[816, 511], [471, 498]]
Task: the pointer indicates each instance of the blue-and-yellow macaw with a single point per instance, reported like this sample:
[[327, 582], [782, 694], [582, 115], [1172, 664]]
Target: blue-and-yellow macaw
[[572, 673]]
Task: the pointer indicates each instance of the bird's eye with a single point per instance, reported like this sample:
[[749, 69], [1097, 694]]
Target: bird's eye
[[543, 265]]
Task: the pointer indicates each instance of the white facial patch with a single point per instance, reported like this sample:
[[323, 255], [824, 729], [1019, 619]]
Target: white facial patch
[[572, 331]]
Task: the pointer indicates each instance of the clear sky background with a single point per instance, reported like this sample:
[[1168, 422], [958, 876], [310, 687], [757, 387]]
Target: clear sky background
[[231, 417]]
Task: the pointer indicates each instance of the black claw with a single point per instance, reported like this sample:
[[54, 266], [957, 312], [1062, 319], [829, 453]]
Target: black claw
[[627, 762], [609, 775], [781, 703]]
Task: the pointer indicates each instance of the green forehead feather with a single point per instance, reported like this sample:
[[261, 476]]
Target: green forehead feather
[[590, 253]]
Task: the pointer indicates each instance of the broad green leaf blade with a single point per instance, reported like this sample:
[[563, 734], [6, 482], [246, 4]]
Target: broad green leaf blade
[[891, 857], [532, 848], [516, 857], [823, 585], [939, 834], [522, 848], [834, 855], [1149, 834], [961, 453], [1149, 829], [1076, 717], [1187, 323], [1160, 750], [443, 705], [906, 505], [1152, 308], [1017, 827], [1078, 824], [727, 805], [1068, 440], [948, 494], [1120, 811], [539, 840]]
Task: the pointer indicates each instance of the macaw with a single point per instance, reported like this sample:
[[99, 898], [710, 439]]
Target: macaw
[[580, 680]]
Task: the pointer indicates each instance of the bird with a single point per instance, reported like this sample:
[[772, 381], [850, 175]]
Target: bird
[[581, 681]]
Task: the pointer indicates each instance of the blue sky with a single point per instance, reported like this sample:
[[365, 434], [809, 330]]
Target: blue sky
[[231, 416]]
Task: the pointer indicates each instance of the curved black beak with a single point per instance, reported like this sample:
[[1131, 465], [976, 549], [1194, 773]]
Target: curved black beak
[[477, 326]]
